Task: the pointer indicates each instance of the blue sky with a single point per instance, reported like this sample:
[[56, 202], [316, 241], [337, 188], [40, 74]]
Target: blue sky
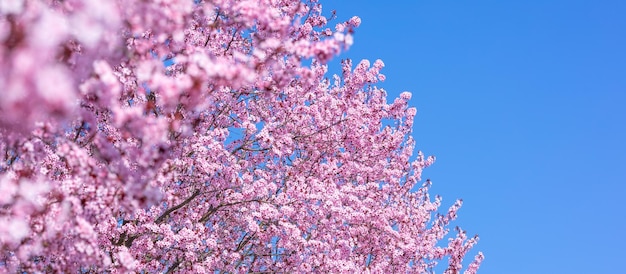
[[524, 105]]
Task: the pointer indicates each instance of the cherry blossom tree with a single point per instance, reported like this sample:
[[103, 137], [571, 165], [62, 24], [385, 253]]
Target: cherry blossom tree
[[202, 136]]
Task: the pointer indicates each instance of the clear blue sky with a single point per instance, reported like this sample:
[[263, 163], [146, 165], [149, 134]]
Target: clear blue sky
[[524, 105]]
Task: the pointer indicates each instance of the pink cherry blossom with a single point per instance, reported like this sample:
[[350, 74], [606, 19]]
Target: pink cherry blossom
[[202, 136]]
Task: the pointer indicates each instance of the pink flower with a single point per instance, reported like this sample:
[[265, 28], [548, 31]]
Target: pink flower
[[17, 229], [126, 260], [31, 191], [11, 6], [355, 21], [405, 95], [84, 228], [8, 188]]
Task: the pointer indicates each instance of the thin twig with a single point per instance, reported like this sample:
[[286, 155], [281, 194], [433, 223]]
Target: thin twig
[[161, 218]]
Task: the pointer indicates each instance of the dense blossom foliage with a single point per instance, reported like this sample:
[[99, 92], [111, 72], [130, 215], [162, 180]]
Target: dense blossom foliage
[[201, 136]]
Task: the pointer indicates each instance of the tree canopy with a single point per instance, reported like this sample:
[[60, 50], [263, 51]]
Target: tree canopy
[[205, 136]]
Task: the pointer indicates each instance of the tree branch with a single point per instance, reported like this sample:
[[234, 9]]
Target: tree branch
[[161, 218]]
